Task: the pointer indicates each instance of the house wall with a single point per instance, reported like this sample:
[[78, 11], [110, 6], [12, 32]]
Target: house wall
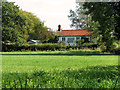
[[74, 41]]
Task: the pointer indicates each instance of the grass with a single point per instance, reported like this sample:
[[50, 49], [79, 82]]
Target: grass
[[59, 69]]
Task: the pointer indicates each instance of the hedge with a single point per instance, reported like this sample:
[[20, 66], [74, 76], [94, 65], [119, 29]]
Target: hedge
[[44, 47]]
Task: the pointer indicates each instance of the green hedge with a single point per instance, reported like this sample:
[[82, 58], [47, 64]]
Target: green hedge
[[43, 47]]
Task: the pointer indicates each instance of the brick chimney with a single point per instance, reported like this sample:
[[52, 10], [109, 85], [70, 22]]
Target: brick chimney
[[59, 27]]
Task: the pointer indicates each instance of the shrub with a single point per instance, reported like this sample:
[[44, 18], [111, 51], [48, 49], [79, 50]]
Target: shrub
[[62, 42], [33, 47], [80, 41], [44, 47], [103, 47], [116, 51], [90, 45]]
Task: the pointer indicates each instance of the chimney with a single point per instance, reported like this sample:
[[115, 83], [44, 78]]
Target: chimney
[[59, 27]]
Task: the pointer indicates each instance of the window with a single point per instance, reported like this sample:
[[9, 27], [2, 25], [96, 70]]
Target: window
[[63, 38], [70, 40]]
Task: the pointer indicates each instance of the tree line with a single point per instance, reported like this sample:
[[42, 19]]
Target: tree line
[[101, 18], [20, 26]]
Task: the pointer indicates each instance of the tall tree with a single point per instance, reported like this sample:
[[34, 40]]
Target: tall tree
[[10, 20], [103, 13], [116, 10], [35, 28], [29, 28], [78, 18]]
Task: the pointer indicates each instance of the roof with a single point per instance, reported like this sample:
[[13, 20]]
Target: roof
[[74, 33]]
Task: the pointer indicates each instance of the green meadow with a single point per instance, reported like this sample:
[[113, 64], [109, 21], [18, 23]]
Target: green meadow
[[59, 69]]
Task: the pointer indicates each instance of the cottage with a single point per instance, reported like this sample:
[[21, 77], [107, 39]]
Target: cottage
[[71, 36]]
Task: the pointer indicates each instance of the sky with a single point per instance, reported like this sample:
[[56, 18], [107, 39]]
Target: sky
[[52, 12]]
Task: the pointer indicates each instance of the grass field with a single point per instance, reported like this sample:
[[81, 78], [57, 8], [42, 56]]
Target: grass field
[[59, 69]]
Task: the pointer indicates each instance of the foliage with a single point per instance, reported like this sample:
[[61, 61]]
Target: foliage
[[103, 21], [78, 18], [48, 37], [54, 39], [46, 46], [105, 14], [62, 42], [21, 26], [103, 47], [80, 41], [33, 47], [10, 21], [35, 28], [116, 50], [116, 9], [94, 29]]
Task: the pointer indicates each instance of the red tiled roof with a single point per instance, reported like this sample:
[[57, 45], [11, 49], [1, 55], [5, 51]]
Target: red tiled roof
[[74, 33]]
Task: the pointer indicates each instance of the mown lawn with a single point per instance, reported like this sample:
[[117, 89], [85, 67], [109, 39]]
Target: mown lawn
[[59, 69]]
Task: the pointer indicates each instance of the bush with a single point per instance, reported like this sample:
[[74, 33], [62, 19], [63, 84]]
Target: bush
[[32, 47], [62, 42], [80, 41], [44, 47], [116, 51], [103, 48], [90, 45]]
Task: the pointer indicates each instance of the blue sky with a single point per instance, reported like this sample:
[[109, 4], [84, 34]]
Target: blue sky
[[52, 12]]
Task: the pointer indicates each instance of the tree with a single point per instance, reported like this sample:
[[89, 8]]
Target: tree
[[94, 29], [0, 21], [103, 13], [32, 25], [21, 26], [116, 9], [52, 37], [78, 18], [35, 27], [10, 20]]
